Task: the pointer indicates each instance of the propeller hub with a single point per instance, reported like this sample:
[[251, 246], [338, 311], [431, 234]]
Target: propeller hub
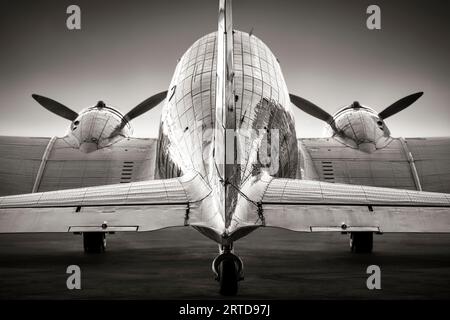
[[356, 105], [100, 105]]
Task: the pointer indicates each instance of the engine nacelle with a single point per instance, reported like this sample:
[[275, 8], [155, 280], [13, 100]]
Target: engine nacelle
[[97, 127], [359, 127]]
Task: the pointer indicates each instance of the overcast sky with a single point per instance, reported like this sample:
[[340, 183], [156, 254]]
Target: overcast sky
[[127, 51]]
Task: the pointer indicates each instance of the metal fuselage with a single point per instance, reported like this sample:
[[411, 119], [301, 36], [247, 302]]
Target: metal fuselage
[[262, 138]]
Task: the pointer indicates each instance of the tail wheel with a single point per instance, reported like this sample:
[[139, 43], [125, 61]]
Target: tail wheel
[[361, 242], [228, 277], [94, 242]]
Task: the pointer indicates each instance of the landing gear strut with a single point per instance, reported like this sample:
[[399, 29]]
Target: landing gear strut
[[228, 269], [361, 242], [94, 242]]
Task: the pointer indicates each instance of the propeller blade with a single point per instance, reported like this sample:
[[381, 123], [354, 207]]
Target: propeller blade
[[55, 107], [141, 108], [399, 105], [145, 106], [311, 109]]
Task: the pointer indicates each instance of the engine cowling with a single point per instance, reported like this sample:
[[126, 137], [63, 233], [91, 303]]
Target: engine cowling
[[97, 127], [359, 127]]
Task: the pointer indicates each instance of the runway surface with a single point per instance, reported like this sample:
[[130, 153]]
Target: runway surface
[[176, 264]]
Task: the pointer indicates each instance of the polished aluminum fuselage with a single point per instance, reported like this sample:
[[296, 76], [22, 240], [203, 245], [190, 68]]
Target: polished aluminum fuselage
[[262, 123]]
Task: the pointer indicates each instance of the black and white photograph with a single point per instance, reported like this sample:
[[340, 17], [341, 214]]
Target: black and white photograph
[[237, 152]]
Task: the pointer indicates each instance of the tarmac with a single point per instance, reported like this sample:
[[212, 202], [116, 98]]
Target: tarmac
[[176, 264]]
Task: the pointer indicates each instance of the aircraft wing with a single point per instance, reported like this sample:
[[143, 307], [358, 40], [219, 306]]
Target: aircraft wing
[[137, 206], [402, 164], [30, 164], [314, 206]]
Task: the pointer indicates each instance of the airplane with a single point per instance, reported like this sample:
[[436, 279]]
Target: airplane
[[227, 161]]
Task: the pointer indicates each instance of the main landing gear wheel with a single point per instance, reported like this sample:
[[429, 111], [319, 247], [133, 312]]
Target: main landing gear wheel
[[361, 242], [94, 242], [228, 269]]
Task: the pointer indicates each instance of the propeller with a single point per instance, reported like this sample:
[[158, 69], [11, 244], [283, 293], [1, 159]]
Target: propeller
[[311, 109], [321, 114], [141, 108], [399, 105], [145, 106], [55, 107]]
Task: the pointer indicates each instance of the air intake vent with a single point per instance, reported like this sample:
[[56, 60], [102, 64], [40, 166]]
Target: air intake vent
[[127, 172], [328, 171]]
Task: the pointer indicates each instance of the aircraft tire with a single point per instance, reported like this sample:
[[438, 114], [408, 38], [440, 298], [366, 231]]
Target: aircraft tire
[[361, 242], [228, 277], [94, 242]]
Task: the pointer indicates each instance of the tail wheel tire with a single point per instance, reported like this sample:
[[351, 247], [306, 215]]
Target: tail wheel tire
[[228, 277], [361, 242], [94, 242]]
